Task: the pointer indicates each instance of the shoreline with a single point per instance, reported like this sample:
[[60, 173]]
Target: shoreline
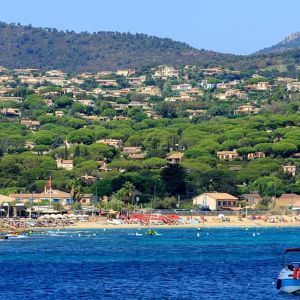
[[95, 225]]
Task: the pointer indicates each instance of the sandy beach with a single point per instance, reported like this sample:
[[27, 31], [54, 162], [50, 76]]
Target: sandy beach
[[185, 222], [210, 222]]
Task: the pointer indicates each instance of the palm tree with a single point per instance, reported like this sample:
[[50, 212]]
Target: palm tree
[[125, 193], [76, 190]]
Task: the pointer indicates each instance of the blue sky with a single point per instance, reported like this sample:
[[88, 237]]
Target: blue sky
[[231, 26]]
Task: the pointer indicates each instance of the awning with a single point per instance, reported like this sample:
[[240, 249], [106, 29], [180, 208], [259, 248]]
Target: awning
[[292, 250]]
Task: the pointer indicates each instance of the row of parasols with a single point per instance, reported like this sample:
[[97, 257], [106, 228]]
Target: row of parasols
[[63, 217], [155, 217]]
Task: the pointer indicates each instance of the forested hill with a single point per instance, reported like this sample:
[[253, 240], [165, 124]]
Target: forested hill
[[291, 42], [27, 46]]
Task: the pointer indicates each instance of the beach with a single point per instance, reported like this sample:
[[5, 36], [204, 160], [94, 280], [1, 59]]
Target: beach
[[182, 222], [211, 222]]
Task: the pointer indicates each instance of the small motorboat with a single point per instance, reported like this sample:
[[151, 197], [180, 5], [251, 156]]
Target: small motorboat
[[151, 232], [289, 277]]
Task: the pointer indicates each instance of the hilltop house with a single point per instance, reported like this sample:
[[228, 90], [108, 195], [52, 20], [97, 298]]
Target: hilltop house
[[132, 150], [88, 179], [181, 87], [137, 156], [293, 86], [59, 113], [175, 158], [254, 155], [111, 142], [227, 155], [290, 169], [216, 201], [126, 72], [165, 72], [32, 124], [103, 166], [64, 164], [246, 110], [11, 112]]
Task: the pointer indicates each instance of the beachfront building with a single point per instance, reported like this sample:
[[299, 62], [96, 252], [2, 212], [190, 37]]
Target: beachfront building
[[88, 199], [252, 199], [53, 196], [288, 201], [216, 201]]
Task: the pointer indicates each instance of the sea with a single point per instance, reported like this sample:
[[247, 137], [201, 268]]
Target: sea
[[198, 263]]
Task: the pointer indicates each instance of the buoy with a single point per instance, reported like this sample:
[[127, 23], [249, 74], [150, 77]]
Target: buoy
[[258, 233], [198, 228], [198, 234], [94, 234], [253, 234], [79, 234], [104, 229], [246, 228], [207, 234]]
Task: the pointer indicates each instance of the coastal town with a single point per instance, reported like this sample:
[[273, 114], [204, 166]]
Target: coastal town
[[149, 150], [165, 137]]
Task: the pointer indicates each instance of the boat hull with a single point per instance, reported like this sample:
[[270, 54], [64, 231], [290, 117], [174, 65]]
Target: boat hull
[[286, 281], [290, 286]]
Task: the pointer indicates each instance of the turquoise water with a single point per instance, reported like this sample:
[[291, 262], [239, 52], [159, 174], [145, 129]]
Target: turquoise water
[[117, 264]]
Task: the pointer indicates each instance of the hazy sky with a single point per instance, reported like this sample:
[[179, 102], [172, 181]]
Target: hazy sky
[[236, 26]]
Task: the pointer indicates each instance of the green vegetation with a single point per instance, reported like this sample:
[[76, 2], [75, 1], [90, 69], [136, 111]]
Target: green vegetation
[[116, 133]]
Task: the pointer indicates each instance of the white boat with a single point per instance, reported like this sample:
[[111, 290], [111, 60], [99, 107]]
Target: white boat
[[289, 277], [114, 222]]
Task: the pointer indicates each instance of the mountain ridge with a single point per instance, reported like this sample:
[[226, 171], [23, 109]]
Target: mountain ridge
[[290, 42], [46, 48]]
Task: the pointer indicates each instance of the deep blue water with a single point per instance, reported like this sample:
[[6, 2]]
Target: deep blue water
[[117, 264]]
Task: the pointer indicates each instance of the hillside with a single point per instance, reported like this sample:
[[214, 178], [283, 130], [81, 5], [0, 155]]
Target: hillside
[[26, 46], [291, 42]]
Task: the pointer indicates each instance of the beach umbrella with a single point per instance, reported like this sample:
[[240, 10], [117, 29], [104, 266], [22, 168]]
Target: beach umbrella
[[221, 217]]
